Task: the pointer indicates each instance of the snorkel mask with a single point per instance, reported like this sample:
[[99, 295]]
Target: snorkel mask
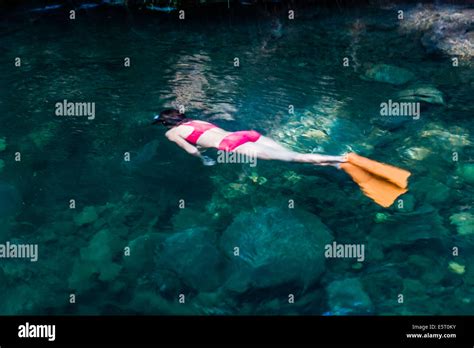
[[156, 119], [169, 118]]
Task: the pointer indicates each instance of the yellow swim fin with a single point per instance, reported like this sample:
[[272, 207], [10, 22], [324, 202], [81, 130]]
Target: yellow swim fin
[[393, 174], [381, 182]]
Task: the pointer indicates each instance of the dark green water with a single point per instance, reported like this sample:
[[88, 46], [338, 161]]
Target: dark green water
[[189, 249]]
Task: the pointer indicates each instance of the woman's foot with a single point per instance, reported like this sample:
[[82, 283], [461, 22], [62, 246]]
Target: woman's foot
[[334, 159]]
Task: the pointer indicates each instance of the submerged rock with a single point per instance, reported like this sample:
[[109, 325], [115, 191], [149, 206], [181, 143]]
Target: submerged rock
[[446, 29], [256, 179], [417, 153], [457, 268], [310, 129], [346, 297], [418, 298], [273, 246], [316, 134], [464, 223], [427, 94], [382, 217], [469, 275], [193, 258], [422, 224], [87, 216], [96, 258], [191, 218], [406, 203], [437, 192], [292, 176], [9, 199], [142, 252], [466, 171], [428, 269], [388, 74], [235, 190], [382, 284], [446, 138]]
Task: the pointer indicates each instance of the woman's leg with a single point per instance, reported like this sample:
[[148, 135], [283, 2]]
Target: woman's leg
[[305, 158], [271, 143], [271, 150]]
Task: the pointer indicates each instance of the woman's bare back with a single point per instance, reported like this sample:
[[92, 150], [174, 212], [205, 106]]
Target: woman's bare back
[[210, 138]]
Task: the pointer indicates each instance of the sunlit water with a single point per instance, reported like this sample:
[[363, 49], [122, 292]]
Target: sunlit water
[[137, 204]]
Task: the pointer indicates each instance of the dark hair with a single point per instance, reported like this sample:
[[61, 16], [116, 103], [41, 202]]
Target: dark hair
[[170, 118]]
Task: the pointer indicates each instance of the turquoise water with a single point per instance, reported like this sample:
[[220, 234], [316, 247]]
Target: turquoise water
[[140, 234]]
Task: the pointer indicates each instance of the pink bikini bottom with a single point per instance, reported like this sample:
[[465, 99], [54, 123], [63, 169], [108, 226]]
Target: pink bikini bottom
[[235, 139]]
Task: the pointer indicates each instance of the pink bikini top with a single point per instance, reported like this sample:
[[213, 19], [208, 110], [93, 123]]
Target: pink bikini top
[[199, 129]]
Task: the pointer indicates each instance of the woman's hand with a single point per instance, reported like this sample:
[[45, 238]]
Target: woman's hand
[[207, 161]]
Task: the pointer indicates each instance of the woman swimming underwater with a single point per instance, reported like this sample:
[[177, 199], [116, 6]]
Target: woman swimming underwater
[[188, 133], [381, 182]]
